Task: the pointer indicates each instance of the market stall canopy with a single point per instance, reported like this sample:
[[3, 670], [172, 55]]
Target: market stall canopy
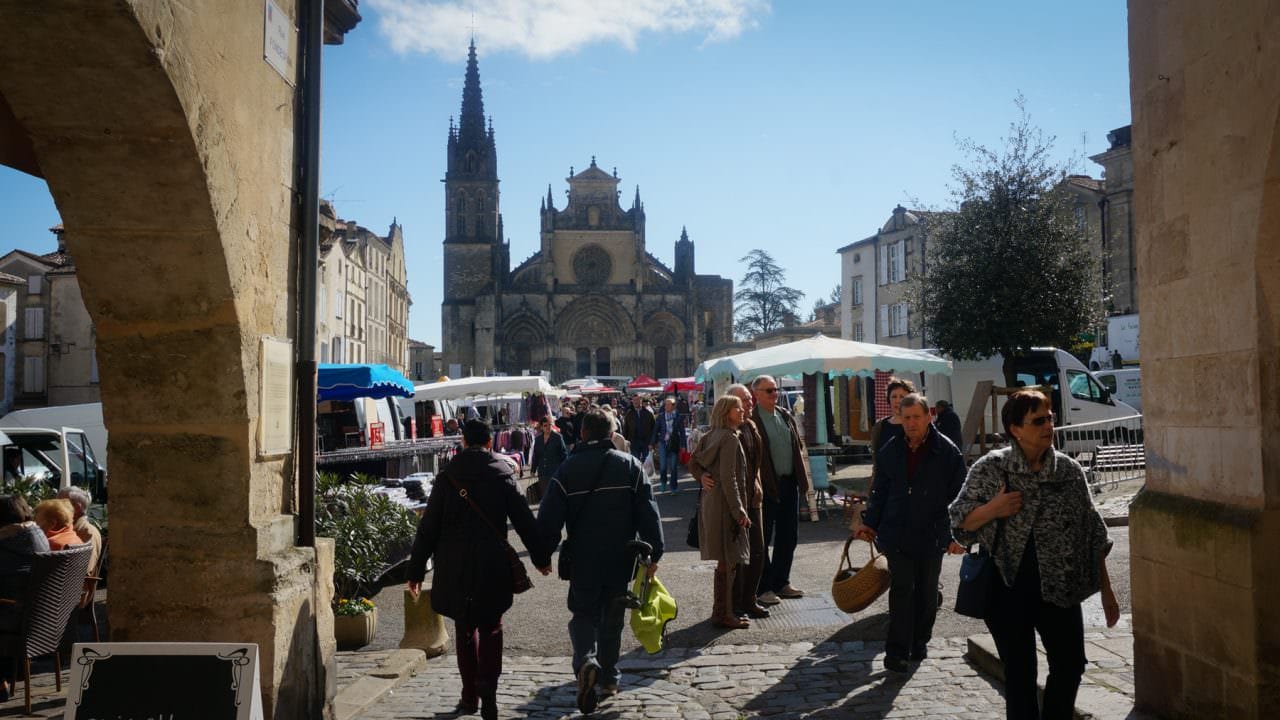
[[348, 382], [821, 354], [473, 386], [685, 384], [597, 390], [644, 382]]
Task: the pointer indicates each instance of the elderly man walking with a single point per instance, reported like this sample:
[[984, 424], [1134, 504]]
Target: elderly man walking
[[784, 474], [916, 478], [601, 497]]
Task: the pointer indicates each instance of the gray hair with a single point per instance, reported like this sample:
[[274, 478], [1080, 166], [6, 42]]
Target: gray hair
[[756, 383], [736, 386], [79, 497], [915, 399]]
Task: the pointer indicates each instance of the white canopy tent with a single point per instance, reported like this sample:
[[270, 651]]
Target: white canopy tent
[[481, 386], [821, 354]]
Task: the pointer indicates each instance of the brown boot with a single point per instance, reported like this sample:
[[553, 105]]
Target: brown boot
[[722, 607]]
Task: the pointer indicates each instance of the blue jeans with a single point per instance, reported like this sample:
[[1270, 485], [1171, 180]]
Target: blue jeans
[[670, 465], [781, 528], [595, 630]]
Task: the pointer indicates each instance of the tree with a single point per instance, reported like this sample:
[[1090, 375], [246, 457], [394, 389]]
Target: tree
[[764, 301], [1007, 270]]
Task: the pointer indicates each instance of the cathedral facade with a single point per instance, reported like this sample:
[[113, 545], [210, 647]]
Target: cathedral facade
[[591, 301]]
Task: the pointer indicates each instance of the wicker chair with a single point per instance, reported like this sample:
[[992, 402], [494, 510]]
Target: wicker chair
[[53, 592]]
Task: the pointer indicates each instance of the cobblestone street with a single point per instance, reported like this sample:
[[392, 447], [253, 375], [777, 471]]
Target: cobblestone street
[[726, 682]]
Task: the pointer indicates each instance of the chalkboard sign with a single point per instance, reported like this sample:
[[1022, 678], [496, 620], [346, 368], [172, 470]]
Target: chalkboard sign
[[164, 681]]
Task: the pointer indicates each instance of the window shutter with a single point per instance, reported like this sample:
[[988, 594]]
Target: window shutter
[[34, 284], [883, 254], [884, 321], [337, 304], [900, 262], [33, 375], [34, 323]]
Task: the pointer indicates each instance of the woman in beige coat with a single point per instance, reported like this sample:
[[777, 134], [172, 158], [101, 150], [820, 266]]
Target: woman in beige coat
[[722, 515]]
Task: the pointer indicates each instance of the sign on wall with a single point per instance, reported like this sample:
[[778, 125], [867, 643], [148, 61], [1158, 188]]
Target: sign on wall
[[275, 397], [164, 681], [277, 38]]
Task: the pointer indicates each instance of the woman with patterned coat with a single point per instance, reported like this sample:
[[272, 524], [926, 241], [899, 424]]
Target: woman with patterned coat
[[1030, 507]]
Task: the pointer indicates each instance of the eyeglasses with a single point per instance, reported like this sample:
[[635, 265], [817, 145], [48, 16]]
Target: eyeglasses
[[1040, 421], [769, 391]]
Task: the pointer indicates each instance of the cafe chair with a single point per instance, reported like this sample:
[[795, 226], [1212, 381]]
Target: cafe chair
[[53, 592]]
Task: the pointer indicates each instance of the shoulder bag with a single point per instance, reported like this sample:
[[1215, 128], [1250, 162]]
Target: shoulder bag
[[564, 562], [978, 578], [520, 581]]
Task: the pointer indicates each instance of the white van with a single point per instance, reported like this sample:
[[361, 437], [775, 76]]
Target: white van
[[86, 416], [1086, 400], [61, 457], [1124, 385]]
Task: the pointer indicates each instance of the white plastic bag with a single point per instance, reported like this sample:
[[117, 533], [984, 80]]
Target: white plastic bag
[[649, 472]]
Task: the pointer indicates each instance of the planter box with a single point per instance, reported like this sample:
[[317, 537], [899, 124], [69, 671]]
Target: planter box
[[355, 631]]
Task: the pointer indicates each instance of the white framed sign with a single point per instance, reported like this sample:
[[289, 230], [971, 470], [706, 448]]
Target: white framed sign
[[164, 681], [275, 397]]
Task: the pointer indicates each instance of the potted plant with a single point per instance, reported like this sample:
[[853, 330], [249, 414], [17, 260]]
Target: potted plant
[[366, 528]]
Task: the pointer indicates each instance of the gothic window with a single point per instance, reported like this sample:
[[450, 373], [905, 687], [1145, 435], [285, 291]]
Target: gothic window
[[471, 162], [524, 358], [709, 337], [602, 361], [661, 361], [584, 362], [592, 266]]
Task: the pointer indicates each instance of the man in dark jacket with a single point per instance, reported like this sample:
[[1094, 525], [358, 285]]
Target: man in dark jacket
[[668, 440], [601, 497], [472, 581], [637, 428], [948, 422], [916, 478], [784, 475]]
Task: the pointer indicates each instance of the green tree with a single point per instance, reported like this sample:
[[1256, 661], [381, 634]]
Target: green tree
[[1006, 271], [764, 301]]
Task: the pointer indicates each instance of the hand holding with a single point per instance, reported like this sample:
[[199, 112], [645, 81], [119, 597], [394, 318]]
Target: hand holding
[[708, 482], [955, 548], [651, 570], [545, 570], [414, 589], [745, 521], [865, 533], [1006, 503]]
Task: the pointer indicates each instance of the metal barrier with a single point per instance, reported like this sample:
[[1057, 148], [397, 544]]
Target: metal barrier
[[1110, 451]]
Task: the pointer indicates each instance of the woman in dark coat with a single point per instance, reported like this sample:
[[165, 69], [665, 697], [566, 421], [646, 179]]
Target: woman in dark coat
[[20, 540], [472, 573], [549, 450]]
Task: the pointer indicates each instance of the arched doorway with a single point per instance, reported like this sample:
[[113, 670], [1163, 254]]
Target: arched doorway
[[181, 219]]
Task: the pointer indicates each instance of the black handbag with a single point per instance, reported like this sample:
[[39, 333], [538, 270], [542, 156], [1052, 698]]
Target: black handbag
[[520, 581], [978, 578], [691, 539]]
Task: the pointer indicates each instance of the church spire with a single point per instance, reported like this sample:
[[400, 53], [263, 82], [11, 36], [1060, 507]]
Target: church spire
[[551, 201], [471, 126]]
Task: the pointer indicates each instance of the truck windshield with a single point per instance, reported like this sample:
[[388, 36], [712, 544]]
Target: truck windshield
[[33, 456]]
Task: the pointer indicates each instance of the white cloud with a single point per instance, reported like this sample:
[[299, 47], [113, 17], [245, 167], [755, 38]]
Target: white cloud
[[546, 28]]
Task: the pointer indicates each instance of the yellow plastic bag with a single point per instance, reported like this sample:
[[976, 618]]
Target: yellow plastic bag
[[657, 608]]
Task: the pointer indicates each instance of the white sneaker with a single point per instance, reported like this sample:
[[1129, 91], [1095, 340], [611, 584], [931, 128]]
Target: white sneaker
[[769, 598]]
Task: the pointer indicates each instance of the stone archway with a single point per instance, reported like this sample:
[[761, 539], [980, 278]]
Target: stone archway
[[178, 211], [664, 343], [592, 323]]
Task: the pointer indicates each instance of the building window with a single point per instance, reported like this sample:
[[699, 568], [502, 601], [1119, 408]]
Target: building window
[[337, 304], [417, 370], [35, 284], [897, 266], [857, 332], [1082, 226], [661, 361], [898, 318], [856, 289], [602, 361], [34, 324], [524, 357], [33, 375], [584, 362]]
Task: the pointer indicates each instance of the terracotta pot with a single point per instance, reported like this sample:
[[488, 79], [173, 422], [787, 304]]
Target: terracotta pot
[[355, 631]]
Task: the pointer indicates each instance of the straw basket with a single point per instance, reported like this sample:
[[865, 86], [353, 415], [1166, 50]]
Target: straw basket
[[854, 591]]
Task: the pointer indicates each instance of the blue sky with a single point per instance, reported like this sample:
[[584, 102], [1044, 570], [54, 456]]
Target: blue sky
[[791, 126]]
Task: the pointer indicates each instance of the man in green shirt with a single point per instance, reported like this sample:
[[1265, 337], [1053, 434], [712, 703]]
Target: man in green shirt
[[784, 473]]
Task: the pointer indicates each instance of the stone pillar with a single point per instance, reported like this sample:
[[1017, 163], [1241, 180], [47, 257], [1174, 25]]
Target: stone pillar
[[1206, 149], [168, 145]]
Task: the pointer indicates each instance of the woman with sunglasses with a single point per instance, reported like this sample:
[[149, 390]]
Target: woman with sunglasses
[[1030, 507]]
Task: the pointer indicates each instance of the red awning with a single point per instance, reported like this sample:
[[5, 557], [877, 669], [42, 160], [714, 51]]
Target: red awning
[[643, 381], [682, 385]]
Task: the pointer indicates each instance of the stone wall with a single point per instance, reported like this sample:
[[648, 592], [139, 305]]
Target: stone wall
[[1206, 149]]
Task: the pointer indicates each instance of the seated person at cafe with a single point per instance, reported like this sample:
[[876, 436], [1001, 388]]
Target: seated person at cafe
[[80, 500], [57, 520], [20, 540]]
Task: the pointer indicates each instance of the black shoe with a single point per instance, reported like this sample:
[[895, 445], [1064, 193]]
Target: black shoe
[[919, 655], [896, 664], [489, 706], [465, 708], [587, 688]]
